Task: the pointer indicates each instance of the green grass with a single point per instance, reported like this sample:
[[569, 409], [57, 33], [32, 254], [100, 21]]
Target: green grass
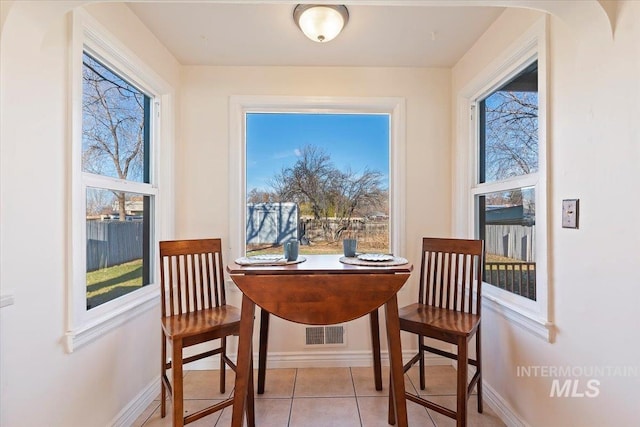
[[108, 283]]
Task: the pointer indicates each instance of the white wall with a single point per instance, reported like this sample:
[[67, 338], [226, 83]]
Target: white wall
[[202, 175], [42, 385], [594, 155]]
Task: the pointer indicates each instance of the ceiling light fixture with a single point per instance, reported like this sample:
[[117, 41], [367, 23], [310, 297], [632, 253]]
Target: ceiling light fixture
[[321, 23]]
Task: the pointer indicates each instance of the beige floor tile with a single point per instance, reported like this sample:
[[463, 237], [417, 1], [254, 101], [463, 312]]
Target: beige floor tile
[[374, 412], [324, 412], [190, 406], [488, 418], [278, 383], [184, 373], [324, 382], [439, 380], [323, 397], [146, 414], [365, 385], [269, 413], [206, 384]]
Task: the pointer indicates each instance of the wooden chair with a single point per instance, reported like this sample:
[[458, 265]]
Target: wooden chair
[[194, 311], [448, 309]]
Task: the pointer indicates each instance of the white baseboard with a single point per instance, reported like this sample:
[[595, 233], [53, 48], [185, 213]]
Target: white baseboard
[[502, 409], [130, 413]]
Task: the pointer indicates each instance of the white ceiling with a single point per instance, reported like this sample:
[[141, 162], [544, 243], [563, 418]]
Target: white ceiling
[[265, 34]]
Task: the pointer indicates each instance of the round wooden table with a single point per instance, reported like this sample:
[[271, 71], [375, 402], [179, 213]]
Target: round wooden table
[[319, 291]]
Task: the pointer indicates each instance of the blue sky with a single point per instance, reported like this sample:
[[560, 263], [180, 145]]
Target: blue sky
[[352, 140]]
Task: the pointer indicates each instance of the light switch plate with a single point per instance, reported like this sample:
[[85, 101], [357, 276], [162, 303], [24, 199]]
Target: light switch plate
[[570, 209]]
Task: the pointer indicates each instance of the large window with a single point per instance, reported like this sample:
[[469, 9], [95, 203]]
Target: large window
[[360, 180], [115, 155], [501, 182], [317, 178], [505, 194], [121, 123]]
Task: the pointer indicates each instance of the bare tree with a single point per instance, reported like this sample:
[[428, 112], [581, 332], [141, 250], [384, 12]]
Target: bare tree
[[329, 192], [113, 126], [310, 180], [260, 196], [357, 191], [511, 141], [97, 200]]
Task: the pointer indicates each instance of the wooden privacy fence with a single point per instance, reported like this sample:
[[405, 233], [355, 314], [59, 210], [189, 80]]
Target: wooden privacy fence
[[111, 243], [366, 231], [511, 241], [517, 242]]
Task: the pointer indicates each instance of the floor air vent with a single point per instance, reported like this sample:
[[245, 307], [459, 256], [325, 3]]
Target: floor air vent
[[325, 335]]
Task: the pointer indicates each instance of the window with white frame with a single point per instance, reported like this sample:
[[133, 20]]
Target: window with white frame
[[116, 118], [505, 192], [387, 113], [501, 153], [114, 184]]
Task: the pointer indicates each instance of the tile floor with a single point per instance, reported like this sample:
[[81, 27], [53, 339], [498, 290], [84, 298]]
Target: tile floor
[[327, 397]]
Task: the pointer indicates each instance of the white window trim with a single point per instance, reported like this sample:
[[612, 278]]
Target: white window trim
[[533, 316], [82, 325], [239, 106]]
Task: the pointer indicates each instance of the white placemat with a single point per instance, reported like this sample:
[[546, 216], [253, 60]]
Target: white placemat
[[262, 262], [356, 261]]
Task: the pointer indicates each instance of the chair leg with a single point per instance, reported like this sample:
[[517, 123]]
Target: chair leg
[[479, 368], [251, 412], [223, 364], [461, 412], [392, 411], [375, 343], [421, 361], [262, 349], [177, 397], [163, 372]]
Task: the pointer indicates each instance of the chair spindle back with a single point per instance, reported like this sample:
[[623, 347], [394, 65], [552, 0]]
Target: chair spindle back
[[451, 274], [191, 275]]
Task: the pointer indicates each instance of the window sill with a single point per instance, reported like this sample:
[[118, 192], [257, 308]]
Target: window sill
[[529, 321], [140, 301]]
